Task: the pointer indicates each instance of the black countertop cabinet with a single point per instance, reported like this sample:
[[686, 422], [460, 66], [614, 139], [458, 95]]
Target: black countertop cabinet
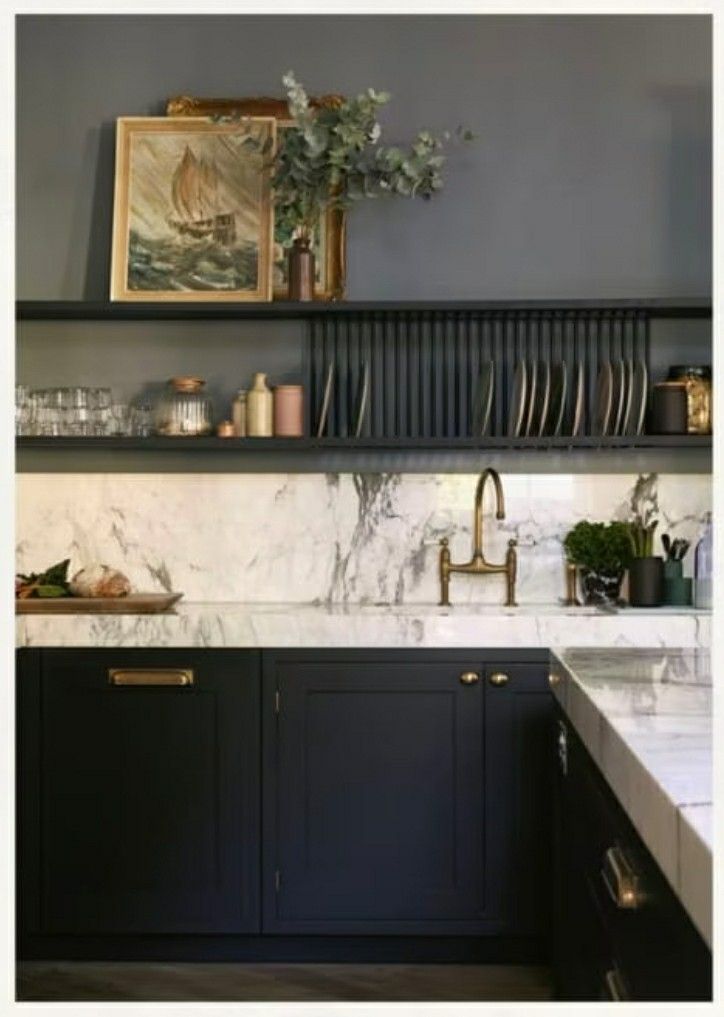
[[138, 803], [400, 798], [406, 795], [619, 931]]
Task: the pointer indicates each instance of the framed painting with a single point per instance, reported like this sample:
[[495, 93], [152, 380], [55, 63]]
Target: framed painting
[[192, 216], [330, 241]]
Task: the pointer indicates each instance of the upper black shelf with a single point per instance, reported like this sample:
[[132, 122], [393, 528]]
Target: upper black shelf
[[80, 310]]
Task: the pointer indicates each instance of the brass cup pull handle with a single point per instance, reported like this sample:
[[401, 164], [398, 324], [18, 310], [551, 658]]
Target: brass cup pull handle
[[150, 676], [621, 880], [499, 678], [469, 677]]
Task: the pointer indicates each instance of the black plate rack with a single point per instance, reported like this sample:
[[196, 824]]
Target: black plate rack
[[425, 366]]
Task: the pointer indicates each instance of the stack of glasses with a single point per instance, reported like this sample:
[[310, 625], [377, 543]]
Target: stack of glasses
[[79, 412]]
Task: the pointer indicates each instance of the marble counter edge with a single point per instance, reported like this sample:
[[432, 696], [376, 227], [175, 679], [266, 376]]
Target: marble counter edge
[[227, 624], [678, 833]]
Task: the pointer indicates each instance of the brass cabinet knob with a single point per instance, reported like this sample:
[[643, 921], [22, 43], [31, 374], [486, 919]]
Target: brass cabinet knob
[[553, 678], [469, 678], [498, 678]]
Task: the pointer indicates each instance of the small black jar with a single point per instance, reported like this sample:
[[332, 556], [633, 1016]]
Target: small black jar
[[669, 414], [646, 582]]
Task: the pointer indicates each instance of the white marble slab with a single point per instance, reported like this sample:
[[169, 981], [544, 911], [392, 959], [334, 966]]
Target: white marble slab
[[340, 625], [645, 715], [330, 538]]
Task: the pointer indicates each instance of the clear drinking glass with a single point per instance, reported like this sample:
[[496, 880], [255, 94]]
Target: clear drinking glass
[[142, 419], [119, 419], [23, 410], [100, 401]]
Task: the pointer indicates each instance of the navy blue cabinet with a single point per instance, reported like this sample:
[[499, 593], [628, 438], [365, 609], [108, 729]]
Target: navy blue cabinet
[[139, 791], [405, 792]]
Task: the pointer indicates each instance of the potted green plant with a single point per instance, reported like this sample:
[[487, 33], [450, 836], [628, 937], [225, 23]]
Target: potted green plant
[[602, 552], [646, 570], [331, 157]]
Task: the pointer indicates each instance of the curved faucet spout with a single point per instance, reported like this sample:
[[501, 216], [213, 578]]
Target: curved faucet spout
[[478, 517], [478, 565]]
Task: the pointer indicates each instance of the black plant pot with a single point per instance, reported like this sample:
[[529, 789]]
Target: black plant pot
[[601, 588], [646, 582]]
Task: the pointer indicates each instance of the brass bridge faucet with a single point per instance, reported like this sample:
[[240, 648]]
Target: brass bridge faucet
[[477, 564]]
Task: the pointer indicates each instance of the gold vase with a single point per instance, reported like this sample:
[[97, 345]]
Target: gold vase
[[259, 409]]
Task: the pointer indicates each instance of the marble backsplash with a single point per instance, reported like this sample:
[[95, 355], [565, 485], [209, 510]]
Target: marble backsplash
[[329, 538]]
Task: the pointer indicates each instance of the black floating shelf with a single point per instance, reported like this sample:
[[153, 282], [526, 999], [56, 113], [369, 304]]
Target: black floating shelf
[[79, 310], [253, 445]]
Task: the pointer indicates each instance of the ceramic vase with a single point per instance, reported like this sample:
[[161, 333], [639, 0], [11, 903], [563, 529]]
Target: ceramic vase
[[646, 582], [259, 409], [301, 270]]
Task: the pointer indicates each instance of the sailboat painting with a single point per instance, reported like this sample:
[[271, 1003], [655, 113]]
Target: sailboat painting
[[193, 216]]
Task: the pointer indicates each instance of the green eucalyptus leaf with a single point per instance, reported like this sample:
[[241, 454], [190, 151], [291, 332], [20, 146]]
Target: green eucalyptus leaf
[[51, 590]]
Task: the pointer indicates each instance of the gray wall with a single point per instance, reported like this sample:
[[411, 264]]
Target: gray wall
[[590, 177]]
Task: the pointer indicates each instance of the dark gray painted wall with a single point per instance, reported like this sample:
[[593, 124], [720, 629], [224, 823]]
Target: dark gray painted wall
[[590, 176]]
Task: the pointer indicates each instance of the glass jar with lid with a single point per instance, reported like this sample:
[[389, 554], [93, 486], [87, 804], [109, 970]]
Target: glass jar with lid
[[698, 396], [184, 409]]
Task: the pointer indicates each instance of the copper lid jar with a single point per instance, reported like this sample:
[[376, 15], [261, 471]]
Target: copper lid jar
[[698, 396], [184, 410]]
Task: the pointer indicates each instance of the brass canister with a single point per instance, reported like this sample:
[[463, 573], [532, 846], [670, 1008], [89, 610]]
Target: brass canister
[[698, 396]]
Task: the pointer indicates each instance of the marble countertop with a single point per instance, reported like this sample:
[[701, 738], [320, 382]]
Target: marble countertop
[[235, 624], [645, 715]]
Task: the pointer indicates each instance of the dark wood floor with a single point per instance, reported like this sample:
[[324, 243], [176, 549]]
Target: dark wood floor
[[76, 982]]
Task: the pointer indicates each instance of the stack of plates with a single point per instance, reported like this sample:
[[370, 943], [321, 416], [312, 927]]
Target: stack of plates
[[539, 397], [361, 409], [620, 401]]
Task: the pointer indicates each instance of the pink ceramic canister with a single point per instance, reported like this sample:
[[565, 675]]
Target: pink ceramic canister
[[289, 411]]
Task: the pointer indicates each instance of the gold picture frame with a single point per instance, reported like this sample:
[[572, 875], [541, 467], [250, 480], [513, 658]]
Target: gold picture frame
[[192, 211], [332, 242]]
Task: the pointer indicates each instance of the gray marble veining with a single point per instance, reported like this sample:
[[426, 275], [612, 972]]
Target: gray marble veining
[[645, 715], [328, 538]]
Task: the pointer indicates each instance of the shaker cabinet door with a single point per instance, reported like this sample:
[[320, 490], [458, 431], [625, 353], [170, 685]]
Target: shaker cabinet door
[[139, 796], [374, 795], [518, 722]]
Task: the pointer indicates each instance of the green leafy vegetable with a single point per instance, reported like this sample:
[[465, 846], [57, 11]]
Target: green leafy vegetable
[[51, 583]]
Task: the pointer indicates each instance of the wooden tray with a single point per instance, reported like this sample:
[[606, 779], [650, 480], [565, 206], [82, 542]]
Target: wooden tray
[[134, 603]]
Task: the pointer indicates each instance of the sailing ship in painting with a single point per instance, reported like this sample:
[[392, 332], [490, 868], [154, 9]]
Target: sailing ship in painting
[[195, 199], [199, 210]]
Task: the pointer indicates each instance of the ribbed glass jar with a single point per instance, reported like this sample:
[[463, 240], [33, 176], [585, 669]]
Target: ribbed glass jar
[[184, 409]]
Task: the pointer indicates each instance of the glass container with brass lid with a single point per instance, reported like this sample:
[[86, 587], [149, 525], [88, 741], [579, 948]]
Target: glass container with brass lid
[[185, 409], [698, 396]]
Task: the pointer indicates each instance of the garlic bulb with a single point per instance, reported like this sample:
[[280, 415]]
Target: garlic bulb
[[99, 581]]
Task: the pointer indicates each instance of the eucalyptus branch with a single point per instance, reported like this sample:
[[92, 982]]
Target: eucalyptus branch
[[332, 158]]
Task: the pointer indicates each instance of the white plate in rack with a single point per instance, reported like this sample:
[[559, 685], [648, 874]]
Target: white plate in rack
[[517, 403], [577, 422], [559, 391], [483, 400], [603, 401], [326, 399], [640, 393]]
